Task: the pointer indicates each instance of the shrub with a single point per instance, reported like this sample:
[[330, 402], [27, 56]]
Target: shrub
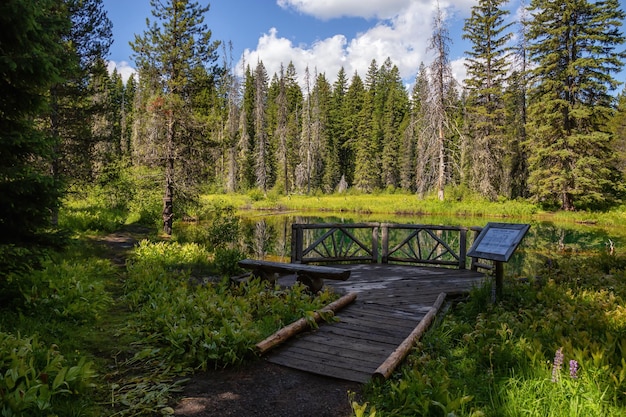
[[36, 380]]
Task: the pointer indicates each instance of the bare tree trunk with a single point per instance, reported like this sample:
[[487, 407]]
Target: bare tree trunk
[[441, 175], [168, 198]]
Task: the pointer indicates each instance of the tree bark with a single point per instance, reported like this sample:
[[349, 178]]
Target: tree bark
[[168, 198]]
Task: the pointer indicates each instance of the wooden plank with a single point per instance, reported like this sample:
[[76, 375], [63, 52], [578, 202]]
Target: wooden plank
[[387, 367], [315, 271], [294, 328], [347, 343], [350, 358], [392, 300], [320, 369]]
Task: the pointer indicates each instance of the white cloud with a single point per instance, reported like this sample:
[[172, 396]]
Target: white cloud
[[401, 32], [330, 9], [123, 68]]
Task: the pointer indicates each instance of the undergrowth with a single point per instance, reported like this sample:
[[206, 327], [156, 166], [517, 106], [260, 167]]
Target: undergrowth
[[554, 346]]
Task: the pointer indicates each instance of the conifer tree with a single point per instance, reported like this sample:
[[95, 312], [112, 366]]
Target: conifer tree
[[576, 47], [441, 74], [394, 119], [172, 47], [487, 67], [245, 146], [73, 105], [368, 144], [294, 107], [337, 121], [262, 167], [353, 112], [32, 61], [617, 127]]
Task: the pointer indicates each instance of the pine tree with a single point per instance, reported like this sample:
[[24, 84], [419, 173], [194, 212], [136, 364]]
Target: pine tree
[[617, 126], [337, 121], [487, 67], [167, 53], [441, 74], [368, 143], [394, 120], [246, 133], [32, 61], [74, 107], [353, 111], [573, 45], [262, 167]]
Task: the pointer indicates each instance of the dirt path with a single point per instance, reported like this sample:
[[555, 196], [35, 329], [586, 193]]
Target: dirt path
[[255, 389]]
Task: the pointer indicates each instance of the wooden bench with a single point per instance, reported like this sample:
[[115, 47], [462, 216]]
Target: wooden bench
[[312, 276]]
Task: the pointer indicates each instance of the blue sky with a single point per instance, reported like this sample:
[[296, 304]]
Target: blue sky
[[321, 34]]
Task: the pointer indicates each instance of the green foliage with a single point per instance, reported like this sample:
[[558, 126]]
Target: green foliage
[[201, 324], [497, 359], [36, 380], [573, 47], [67, 290]]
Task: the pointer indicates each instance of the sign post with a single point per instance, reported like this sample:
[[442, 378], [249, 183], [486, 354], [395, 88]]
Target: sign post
[[497, 242]]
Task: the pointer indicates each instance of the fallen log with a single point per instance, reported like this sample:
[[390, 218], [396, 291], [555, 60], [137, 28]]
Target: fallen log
[[301, 324], [386, 368]]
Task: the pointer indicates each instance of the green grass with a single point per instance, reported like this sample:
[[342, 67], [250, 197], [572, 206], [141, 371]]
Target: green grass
[[130, 337], [81, 337], [486, 359], [403, 204]]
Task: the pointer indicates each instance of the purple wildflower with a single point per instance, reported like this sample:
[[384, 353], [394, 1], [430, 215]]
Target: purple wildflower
[[573, 369], [557, 364]]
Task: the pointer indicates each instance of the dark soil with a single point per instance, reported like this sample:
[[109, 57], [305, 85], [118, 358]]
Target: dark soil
[[265, 389], [258, 388]]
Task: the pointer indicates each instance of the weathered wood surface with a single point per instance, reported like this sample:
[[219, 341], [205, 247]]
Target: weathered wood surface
[[316, 271], [299, 325], [391, 302]]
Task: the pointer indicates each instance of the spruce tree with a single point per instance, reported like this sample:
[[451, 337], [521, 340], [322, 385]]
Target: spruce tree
[[353, 111], [487, 67], [394, 120], [32, 61], [368, 143], [575, 47], [262, 156], [172, 47]]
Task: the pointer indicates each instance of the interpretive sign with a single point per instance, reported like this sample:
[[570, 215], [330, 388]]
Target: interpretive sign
[[498, 241]]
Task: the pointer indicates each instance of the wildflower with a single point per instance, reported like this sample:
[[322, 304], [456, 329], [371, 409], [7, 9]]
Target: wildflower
[[557, 364], [573, 369]]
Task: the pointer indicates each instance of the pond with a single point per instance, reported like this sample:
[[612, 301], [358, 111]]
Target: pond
[[268, 235]]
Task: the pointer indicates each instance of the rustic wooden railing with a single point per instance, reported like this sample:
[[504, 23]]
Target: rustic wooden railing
[[382, 243], [334, 242]]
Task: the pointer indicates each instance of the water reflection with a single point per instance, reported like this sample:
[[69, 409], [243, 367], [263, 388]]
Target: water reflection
[[270, 236]]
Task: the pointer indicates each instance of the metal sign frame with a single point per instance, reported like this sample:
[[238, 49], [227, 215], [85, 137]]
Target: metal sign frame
[[498, 241]]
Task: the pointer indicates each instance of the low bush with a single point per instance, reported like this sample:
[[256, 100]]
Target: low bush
[[37, 380]]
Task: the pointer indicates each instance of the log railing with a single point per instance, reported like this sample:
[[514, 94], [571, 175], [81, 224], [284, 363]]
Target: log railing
[[382, 243]]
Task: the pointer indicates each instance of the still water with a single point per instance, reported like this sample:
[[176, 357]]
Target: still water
[[269, 235]]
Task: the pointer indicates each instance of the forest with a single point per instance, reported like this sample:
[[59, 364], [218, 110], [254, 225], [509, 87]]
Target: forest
[[537, 118], [539, 122]]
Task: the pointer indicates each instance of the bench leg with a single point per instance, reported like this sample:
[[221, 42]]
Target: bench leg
[[265, 276], [314, 284]]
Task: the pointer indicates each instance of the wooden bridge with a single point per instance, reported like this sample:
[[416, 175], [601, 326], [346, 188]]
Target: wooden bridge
[[401, 276]]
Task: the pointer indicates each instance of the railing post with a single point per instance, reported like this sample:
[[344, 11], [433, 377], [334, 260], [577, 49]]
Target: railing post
[[462, 248], [385, 243], [375, 244], [297, 237]]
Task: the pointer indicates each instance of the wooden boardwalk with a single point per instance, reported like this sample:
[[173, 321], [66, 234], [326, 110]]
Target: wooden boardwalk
[[391, 301]]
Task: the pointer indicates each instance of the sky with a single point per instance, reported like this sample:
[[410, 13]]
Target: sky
[[324, 35]]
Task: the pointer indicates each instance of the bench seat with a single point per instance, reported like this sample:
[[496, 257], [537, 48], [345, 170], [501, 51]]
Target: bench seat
[[312, 276]]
